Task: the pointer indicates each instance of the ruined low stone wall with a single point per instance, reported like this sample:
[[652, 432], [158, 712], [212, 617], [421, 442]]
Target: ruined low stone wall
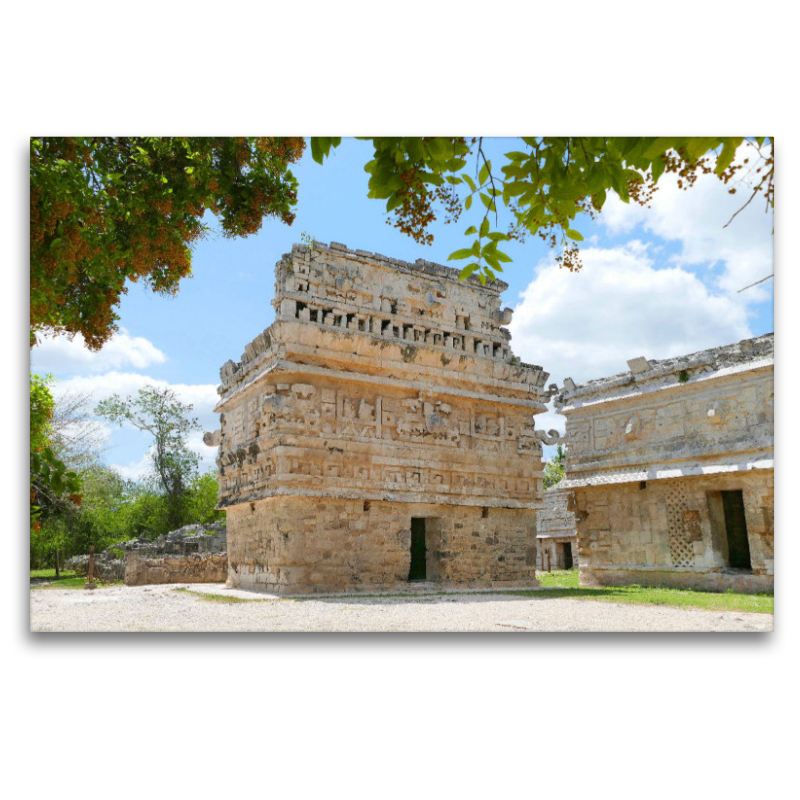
[[295, 545], [667, 532], [143, 569], [106, 566]]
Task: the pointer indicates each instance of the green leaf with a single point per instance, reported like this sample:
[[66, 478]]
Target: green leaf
[[395, 200], [469, 182], [516, 188], [491, 260], [321, 146], [453, 179], [468, 202], [484, 227], [483, 175], [727, 155], [697, 146], [467, 271], [657, 148], [574, 235], [658, 168], [515, 155], [600, 198], [457, 255], [472, 229]]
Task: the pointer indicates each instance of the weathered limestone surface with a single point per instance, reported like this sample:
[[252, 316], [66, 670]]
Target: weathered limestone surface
[[386, 383], [332, 545], [650, 454], [555, 530], [111, 564], [206, 568]]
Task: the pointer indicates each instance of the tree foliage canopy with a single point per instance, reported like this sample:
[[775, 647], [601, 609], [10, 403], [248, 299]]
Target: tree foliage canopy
[[543, 185], [554, 468], [53, 486], [160, 413], [106, 210]]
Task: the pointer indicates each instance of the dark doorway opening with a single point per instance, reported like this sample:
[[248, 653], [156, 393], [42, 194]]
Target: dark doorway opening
[[736, 530], [567, 547], [418, 570]]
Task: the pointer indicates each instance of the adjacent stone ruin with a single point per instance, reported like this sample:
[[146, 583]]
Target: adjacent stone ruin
[[672, 471], [379, 431], [556, 535], [191, 554]]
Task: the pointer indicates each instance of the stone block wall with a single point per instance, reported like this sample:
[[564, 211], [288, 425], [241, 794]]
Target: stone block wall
[[555, 526], [300, 545], [142, 569], [664, 532]]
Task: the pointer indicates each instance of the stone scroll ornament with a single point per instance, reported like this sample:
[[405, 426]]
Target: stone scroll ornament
[[212, 438], [551, 437]]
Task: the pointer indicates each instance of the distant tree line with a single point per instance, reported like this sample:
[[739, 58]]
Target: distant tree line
[[93, 505]]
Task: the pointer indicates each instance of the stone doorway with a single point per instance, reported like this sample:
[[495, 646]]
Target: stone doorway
[[419, 551], [567, 550], [426, 547], [736, 530]]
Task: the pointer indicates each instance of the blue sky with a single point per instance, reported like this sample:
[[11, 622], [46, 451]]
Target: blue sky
[[657, 282]]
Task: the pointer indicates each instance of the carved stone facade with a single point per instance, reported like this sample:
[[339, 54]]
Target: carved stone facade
[[385, 393], [672, 472]]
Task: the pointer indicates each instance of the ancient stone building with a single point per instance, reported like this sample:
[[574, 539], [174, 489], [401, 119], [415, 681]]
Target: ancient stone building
[[556, 536], [379, 430], [671, 468]]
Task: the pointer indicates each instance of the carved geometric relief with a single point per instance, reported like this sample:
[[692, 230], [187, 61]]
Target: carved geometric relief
[[680, 543]]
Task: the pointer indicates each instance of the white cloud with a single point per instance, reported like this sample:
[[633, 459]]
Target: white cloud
[[63, 355], [202, 396], [586, 325], [135, 470], [208, 455], [696, 218]]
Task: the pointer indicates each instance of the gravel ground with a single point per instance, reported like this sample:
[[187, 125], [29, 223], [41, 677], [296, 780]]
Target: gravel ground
[[162, 608]]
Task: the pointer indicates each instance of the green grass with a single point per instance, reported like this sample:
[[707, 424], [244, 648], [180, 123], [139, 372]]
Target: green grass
[[51, 573], [221, 598], [562, 578], [564, 583], [46, 579]]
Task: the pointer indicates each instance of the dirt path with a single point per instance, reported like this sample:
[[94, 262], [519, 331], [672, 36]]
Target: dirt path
[[163, 608]]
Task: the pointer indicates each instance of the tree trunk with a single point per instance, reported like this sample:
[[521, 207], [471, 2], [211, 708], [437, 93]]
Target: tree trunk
[[57, 572]]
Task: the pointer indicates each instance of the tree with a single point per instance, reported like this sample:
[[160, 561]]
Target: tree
[[76, 437], [554, 468], [107, 210], [544, 185], [160, 413], [54, 487]]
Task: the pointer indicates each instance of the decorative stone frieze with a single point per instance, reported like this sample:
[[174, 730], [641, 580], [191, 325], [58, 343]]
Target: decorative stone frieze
[[672, 470], [384, 392]]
